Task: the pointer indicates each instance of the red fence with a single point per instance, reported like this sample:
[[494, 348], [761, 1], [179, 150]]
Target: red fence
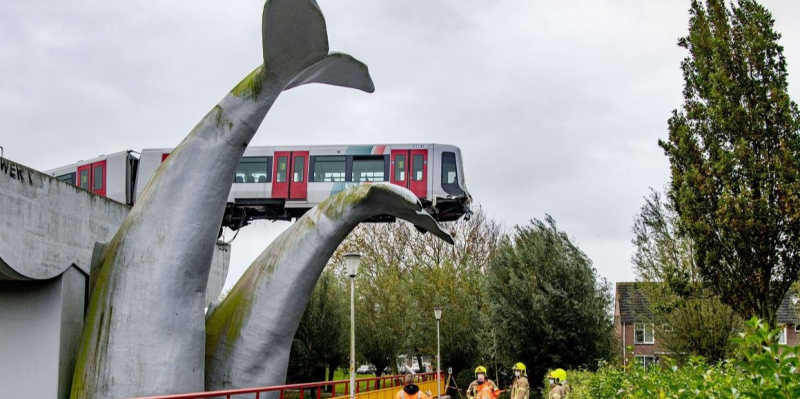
[[314, 388]]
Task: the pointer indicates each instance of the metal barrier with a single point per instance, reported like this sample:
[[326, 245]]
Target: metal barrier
[[376, 388]]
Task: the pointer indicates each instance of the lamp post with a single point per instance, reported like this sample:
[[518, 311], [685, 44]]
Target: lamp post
[[437, 311], [352, 261]]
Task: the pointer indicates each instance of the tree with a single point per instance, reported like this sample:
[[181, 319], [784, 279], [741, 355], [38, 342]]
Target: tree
[[407, 273], [322, 338], [734, 152], [381, 311], [549, 307], [688, 318]]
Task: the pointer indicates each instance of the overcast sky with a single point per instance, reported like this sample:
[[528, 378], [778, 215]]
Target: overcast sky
[[556, 105]]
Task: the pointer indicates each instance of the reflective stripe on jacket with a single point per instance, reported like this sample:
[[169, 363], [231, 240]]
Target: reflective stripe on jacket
[[520, 388], [487, 390], [557, 393], [419, 395]]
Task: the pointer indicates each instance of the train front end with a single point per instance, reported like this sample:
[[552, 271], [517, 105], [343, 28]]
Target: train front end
[[450, 199]]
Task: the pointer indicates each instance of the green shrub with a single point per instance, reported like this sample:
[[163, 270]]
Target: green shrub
[[762, 369]]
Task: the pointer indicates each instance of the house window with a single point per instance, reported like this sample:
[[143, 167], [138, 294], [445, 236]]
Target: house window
[[797, 328], [643, 334], [646, 361], [782, 336]]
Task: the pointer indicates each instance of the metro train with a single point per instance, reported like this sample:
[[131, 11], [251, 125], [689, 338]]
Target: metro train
[[282, 183]]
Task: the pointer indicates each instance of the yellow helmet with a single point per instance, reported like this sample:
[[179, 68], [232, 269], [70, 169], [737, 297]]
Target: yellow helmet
[[559, 375], [480, 369], [521, 368]]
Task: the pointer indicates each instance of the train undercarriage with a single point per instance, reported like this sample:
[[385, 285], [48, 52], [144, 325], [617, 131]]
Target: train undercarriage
[[244, 211]]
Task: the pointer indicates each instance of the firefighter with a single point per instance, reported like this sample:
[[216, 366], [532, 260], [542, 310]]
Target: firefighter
[[520, 387], [410, 390], [482, 387], [556, 379]]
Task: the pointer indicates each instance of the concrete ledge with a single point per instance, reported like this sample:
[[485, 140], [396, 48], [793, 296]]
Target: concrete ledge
[[46, 225]]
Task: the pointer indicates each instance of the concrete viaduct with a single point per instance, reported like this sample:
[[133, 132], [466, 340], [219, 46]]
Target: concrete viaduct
[[48, 230]]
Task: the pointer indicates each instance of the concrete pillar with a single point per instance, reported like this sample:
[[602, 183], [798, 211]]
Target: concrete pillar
[[40, 328]]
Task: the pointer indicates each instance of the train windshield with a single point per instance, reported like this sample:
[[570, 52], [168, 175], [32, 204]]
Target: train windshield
[[449, 170], [450, 174]]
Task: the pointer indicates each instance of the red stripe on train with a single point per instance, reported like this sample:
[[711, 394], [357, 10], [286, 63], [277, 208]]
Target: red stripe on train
[[378, 149]]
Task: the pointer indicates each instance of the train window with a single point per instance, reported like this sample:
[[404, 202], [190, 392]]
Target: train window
[[299, 169], [368, 169], [254, 170], [417, 164], [85, 179], [68, 178], [97, 184], [282, 166], [400, 167], [449, 170], [330, 169]]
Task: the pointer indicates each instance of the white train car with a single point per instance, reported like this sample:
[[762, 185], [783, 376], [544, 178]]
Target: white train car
[[112, 176], [281, 183]]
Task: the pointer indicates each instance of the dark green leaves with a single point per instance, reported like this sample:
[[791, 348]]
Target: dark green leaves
[[734, 151]]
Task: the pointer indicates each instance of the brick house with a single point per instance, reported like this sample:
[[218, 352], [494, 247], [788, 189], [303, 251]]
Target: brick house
[[634, 327]]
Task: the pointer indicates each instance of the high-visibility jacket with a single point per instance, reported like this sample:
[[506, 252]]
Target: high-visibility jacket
[[487, 390], [557, 392], [402, 394], [520, 388]]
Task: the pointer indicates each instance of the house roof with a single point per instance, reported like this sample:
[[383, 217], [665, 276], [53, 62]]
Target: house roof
[[633, 306], [631, 303], [787, 312]]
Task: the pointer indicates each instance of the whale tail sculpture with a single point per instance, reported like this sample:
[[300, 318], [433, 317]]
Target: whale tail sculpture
[[249, 334], [144, 327]]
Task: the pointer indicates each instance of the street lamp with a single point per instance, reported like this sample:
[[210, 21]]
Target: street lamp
[[437, 311], [352, 261]]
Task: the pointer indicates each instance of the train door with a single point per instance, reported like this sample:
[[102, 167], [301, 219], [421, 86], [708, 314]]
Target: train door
[[290, 176], [92, 177], [418, 171], [410, 170], [298, 186]]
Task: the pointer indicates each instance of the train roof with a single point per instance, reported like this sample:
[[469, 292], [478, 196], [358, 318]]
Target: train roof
[[86, 161], [325, 145]]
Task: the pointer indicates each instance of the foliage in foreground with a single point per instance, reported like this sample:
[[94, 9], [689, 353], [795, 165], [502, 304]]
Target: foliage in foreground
[[762, 369]]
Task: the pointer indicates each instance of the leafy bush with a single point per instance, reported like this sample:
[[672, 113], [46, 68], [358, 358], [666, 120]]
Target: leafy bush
[[762, 369]]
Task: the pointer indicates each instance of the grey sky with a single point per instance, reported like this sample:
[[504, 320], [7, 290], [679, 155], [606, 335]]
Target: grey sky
[[556, 105]]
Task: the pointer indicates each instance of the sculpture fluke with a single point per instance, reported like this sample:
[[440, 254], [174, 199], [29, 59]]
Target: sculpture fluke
[[249, 335], [144, 329]]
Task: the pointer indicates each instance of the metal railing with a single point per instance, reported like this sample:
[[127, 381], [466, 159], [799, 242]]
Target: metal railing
[[316, 388]]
